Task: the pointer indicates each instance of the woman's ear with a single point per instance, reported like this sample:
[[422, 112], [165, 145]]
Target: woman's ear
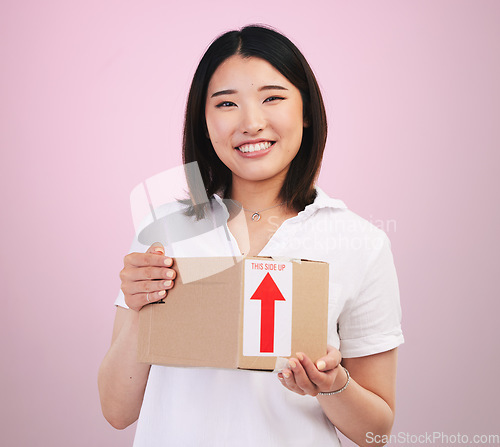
[[305, 121], [305, 117]]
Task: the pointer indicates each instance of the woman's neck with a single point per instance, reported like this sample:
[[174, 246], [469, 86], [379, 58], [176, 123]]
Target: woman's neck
[[261, 216], [256, 195]]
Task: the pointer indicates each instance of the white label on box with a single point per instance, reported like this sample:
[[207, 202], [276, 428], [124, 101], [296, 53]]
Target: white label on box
[[267, 308]]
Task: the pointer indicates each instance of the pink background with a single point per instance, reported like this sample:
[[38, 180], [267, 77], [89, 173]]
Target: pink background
[[91, 103]]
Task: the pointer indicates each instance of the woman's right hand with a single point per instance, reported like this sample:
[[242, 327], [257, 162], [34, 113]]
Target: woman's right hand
[[146, 277]]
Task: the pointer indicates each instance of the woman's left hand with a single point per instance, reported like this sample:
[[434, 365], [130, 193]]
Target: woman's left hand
[[304, 377]]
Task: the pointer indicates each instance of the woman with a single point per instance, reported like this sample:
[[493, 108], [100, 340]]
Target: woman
[[256, 125]]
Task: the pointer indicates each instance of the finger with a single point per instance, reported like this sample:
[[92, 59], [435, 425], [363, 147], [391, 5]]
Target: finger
[[138, 301], [330, 361], [156, 247], [289, 381], [142, 287], [147, 259], [321, 379], [154, 296], [147, 273], [301, 378], [282, 381]]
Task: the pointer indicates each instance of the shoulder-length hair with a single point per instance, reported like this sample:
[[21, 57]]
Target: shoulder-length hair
[[262, 42]]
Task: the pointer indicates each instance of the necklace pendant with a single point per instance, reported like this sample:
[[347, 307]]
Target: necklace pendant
[[255, 217]]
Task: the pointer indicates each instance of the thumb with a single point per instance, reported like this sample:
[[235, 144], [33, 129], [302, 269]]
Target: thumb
[[330, 361], [157, 247]]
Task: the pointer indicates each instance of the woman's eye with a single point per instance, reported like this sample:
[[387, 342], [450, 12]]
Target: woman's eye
[[225, 104], [273, 98]]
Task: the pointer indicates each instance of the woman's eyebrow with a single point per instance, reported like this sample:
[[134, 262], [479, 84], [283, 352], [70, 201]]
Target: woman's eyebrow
[[223, 92], [272, 87], [264, 87]]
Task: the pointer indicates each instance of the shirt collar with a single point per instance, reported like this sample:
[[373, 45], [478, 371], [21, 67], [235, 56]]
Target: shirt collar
[[322, 200]]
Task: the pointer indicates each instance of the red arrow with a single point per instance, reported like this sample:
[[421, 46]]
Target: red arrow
[[268, 293]]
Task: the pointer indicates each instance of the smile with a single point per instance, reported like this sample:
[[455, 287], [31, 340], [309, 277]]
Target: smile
[[261, 146]]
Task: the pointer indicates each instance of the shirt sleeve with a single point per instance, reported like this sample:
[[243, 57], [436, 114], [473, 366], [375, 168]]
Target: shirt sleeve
[[371, 321], [136, 246]]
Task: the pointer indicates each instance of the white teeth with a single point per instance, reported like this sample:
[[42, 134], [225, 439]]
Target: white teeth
[[255, 147]]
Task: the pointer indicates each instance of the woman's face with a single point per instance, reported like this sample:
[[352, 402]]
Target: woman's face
[[254, 117]]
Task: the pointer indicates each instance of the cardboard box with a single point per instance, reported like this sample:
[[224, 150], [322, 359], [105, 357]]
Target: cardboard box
[[244, 316]]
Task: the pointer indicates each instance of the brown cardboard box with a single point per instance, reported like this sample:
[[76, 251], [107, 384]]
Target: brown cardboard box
[[244, 316]]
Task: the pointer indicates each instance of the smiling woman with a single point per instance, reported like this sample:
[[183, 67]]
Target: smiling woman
[[270, 72], [255, 124], [254, 132]]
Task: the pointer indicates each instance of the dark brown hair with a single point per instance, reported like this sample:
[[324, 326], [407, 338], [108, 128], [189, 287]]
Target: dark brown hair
[[262, 42]]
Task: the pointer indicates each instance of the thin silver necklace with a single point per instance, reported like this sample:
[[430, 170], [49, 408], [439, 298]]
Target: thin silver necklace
[[256, 214]]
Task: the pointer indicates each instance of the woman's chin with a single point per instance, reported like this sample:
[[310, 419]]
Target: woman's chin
[[259, 176]]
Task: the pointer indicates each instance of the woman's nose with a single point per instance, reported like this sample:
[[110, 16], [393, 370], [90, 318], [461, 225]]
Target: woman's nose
[[252, 121]]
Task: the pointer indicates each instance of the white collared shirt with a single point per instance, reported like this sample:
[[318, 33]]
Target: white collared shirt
[[216, 407]]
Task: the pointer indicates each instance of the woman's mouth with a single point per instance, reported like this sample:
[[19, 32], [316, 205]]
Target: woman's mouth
[[256, 147]]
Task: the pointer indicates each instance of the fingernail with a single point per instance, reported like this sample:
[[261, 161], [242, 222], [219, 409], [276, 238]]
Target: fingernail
[[159, 250], [292, 364], [168, 262], [299, 356], [321, 365], [170, 274], [162, 292], [167, 283], [286, 375]]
